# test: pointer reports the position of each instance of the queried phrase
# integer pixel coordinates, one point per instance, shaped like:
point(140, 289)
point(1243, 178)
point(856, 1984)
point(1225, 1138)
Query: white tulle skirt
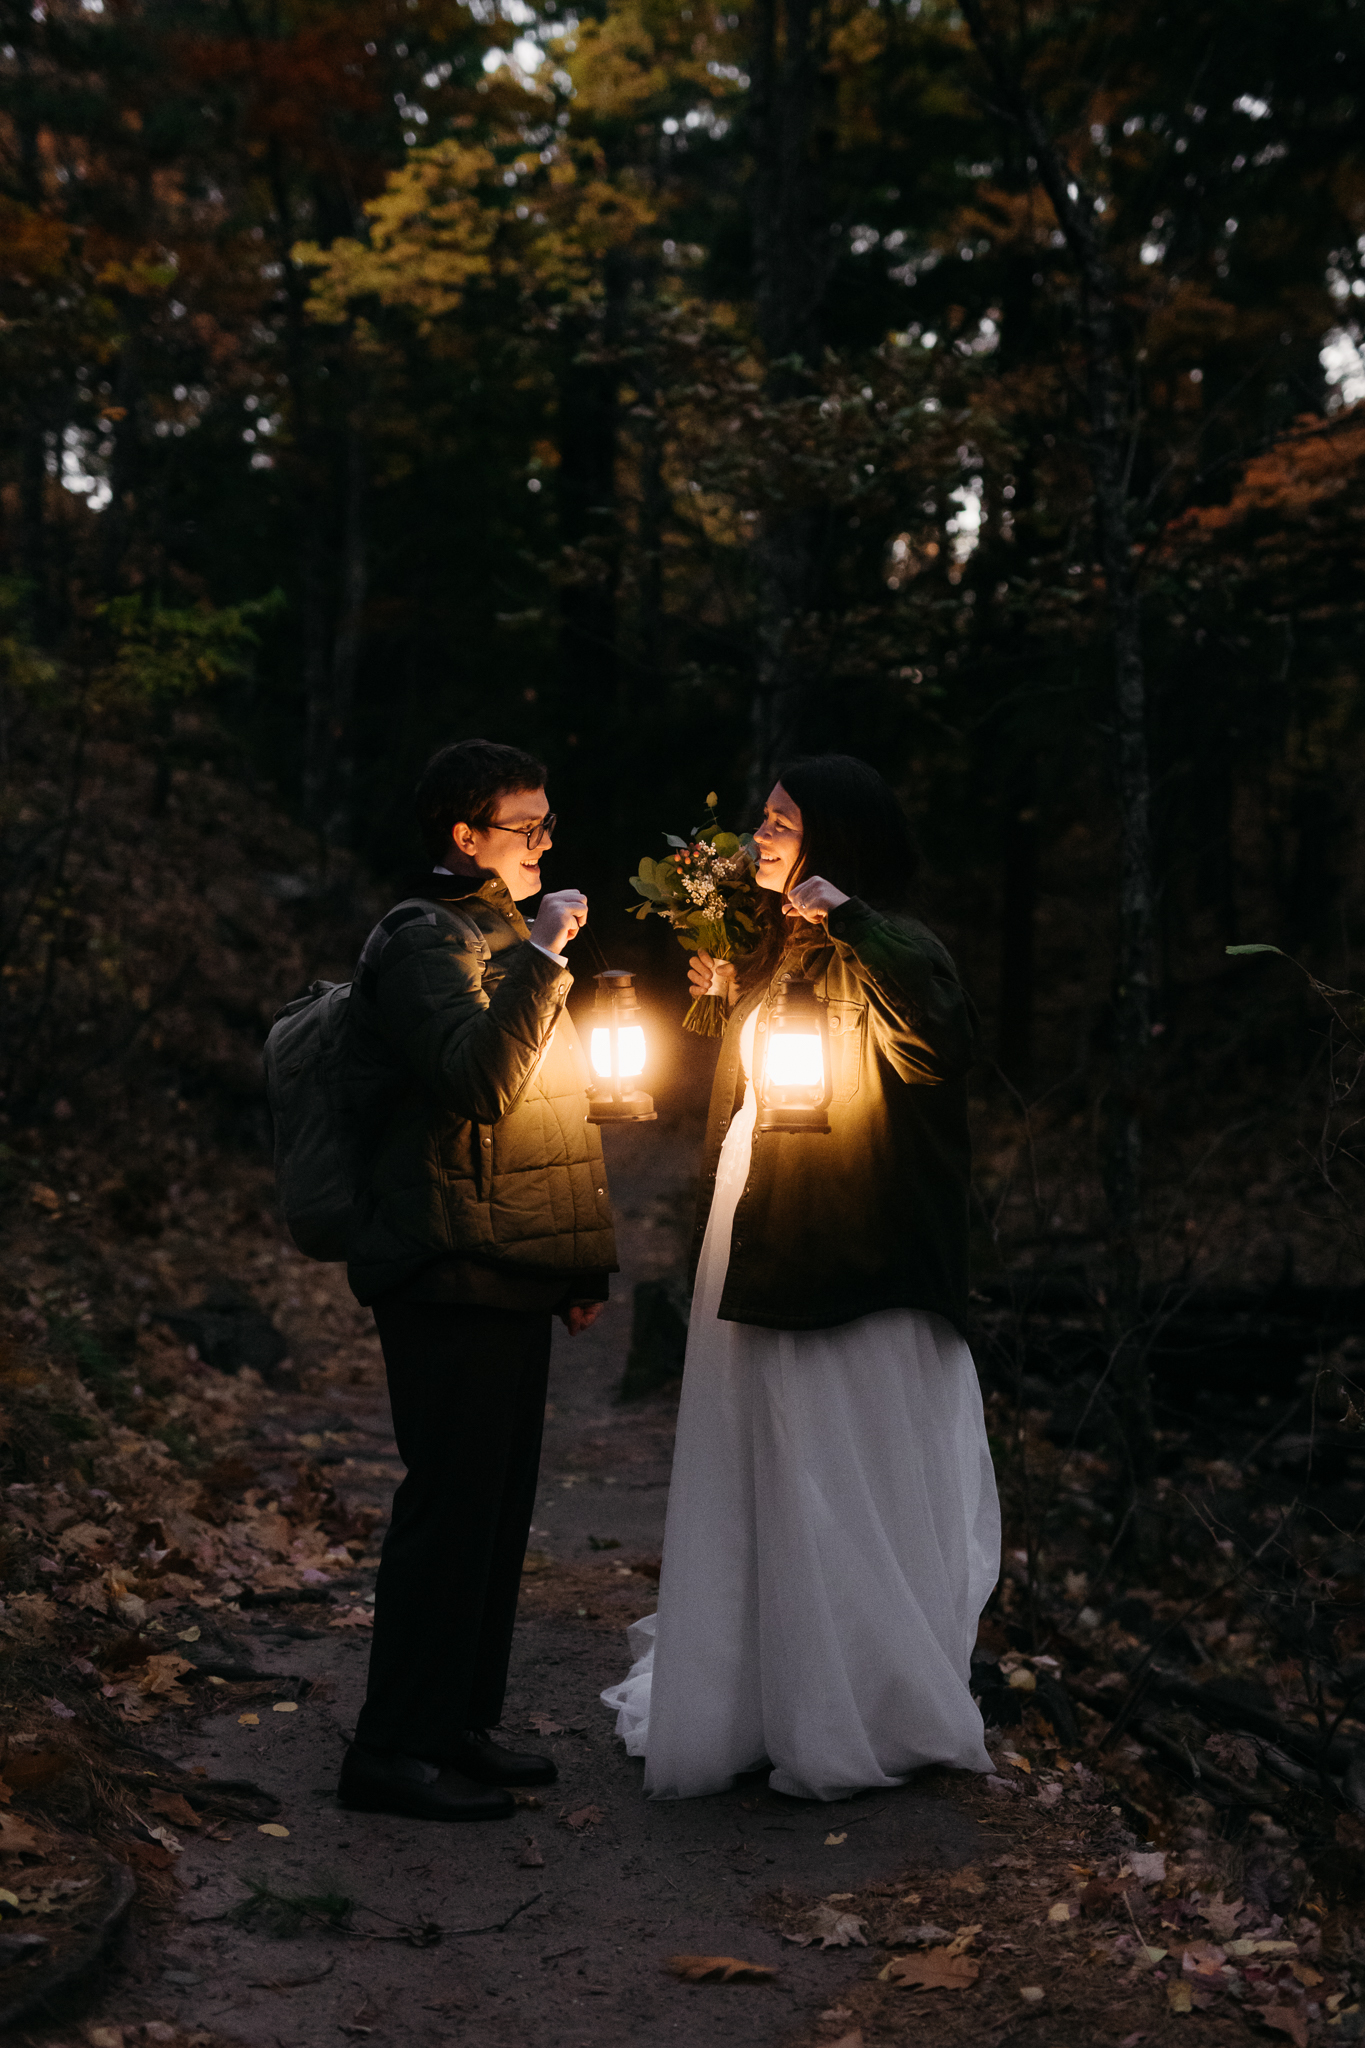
point(833, 1533)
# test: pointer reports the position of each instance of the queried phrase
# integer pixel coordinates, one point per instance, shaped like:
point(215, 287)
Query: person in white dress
point(833, 1530)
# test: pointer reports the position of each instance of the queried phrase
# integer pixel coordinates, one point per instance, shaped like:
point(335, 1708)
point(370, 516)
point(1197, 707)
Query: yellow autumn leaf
point(833, 1841)
point(248, 1720)
point(285, 1707)
point(272, 1827)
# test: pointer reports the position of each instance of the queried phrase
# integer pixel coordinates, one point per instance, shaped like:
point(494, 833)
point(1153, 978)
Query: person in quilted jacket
point(484, 1214)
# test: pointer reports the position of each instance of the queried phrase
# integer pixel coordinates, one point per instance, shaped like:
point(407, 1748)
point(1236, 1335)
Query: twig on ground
point(450, 1933)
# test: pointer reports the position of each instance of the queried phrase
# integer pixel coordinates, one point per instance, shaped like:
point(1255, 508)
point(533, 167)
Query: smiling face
point(501, 846)
point(778, 840)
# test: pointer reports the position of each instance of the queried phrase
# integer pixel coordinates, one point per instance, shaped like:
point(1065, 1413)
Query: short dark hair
point(462, 783)
point(853, 830)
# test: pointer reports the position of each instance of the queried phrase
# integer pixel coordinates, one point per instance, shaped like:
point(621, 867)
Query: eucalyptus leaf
point(1255, 949)
point(673, 839)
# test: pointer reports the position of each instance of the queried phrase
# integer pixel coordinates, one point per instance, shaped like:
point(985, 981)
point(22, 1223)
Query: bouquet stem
point(707, 1016)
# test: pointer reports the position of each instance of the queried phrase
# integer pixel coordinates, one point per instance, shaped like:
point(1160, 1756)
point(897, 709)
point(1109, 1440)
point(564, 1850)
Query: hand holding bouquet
point(706, 890)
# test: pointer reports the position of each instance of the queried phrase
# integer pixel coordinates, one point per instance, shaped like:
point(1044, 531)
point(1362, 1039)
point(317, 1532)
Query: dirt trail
point(570, 1948)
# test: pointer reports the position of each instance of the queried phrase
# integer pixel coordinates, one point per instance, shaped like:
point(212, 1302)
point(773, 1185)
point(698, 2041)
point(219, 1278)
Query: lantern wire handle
point(586, 932)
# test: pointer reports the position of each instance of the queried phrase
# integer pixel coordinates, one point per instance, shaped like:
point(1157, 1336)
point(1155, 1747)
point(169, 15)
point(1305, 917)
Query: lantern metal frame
point(611, 1099)
point(795, 1010)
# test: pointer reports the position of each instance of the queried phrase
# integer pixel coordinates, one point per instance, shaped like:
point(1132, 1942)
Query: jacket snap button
point(488, 1141)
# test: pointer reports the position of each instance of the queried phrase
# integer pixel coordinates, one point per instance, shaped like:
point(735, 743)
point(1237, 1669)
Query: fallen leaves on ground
point(833, 1841)
point(583, 1818)
point(272, 1827)
point(831, 1928)
point(933, 1969)
point(1221, 1919)
point(16, 1836)
point(1287, 2019)
point(915, 1937)
point(718, 1970)
point(174, 1807)
point(545, 1724)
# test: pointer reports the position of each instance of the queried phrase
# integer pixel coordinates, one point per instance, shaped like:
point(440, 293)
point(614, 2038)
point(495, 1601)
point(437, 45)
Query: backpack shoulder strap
point(412, 910)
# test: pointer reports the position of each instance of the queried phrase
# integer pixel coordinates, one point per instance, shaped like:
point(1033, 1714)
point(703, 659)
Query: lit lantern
point(795, 1089)
point(617, 1053)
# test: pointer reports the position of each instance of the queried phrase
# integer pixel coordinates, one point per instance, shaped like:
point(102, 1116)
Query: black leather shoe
point(478, 1756)
point(375, 1783)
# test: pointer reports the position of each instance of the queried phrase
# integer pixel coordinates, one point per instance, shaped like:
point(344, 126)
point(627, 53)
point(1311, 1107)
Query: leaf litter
point(718, 1970)
point(1078, 1913)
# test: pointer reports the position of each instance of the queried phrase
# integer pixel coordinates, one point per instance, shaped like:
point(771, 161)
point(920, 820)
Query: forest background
point(665, 390)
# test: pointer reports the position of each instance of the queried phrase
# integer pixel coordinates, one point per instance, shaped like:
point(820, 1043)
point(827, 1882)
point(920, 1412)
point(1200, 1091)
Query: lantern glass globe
point(796, 1060)
point(630, 1051)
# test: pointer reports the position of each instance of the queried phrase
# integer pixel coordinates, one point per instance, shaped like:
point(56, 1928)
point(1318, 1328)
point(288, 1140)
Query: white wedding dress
point(833, 1533)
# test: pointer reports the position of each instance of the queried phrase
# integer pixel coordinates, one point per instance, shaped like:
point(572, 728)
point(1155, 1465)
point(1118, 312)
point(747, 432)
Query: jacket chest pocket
point(847, 1035)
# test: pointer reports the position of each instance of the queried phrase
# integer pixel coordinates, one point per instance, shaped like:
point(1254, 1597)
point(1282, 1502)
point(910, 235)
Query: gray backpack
point(317, 1140)
point(319, 1163)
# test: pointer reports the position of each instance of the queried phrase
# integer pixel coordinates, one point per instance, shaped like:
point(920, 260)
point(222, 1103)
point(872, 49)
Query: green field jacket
point(872, 1215)
point(470, 1083)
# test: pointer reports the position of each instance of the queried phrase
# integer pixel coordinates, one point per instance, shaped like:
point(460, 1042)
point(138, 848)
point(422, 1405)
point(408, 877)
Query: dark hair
point(853, 832)
point(462, 784)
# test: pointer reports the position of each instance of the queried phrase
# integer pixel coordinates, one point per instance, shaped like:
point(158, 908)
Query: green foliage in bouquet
point(706, 890)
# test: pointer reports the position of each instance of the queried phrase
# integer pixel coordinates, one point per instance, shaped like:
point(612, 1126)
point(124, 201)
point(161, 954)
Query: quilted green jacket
point(872, 1214)
point(470, 1082)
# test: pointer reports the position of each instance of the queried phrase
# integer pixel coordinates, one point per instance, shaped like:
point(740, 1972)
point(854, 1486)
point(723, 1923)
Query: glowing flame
point(795, 1060)
point(630, 1042)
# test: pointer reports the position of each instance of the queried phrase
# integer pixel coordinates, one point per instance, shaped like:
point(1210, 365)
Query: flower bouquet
point(706, 890)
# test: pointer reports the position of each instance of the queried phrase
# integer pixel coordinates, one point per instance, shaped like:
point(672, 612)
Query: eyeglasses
point(534, 835)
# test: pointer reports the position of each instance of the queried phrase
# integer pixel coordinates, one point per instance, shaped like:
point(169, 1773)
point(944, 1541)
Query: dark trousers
point(467, 1389)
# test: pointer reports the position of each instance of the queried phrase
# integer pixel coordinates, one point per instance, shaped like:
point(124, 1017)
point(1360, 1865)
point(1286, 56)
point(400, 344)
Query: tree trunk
point(652, 519)
point(307, 472)
point(347, 643)
point(791, 265)
point(32, 550)
point(1019, 855)
point(1121, 1160)
point(588, 512)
